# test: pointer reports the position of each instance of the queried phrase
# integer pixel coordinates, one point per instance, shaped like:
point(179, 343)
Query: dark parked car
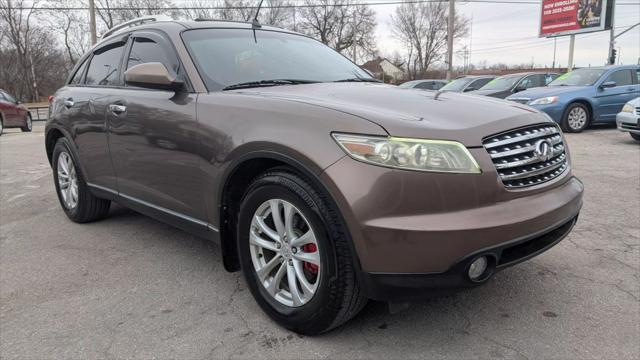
point(585, 96)
point(424, 84)
point(507, 85)
point(13, 114)
point(468, 83)
point(323, 185)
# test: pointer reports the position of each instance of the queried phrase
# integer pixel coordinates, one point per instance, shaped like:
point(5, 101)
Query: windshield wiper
point(265, 83)
point(357, 79)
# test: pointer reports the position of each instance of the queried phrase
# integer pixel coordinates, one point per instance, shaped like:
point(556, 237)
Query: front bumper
point(628, 122)
point(555, 110)
point(405, 287)
point(418, 230)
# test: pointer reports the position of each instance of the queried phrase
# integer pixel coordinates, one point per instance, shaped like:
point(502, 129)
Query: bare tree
point(339, 24)
point(113, 12)
point(15, 24)
point(72, 26)
point(422, 27)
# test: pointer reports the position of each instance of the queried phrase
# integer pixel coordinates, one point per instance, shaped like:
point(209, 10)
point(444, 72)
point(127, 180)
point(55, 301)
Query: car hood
point(411, 113)
point(539, 92)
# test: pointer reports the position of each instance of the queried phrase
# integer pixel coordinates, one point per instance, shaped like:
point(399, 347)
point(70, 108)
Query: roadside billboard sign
point(566, 17)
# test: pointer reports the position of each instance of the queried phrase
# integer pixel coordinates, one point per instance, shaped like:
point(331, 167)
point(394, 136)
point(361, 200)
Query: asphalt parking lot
point(131, 287)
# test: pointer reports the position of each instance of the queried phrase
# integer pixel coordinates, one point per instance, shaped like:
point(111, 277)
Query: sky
point(508, 33)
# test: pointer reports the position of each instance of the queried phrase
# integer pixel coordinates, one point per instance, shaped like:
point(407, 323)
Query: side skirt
point(184, 222)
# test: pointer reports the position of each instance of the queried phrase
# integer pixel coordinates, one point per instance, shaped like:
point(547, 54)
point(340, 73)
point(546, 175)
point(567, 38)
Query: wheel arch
point(583, 101)
point(241, 173)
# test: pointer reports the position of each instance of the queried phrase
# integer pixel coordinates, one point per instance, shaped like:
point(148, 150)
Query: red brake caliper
point(310, 248)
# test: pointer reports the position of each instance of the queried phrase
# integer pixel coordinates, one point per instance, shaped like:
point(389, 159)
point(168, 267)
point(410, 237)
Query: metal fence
point(39, 113)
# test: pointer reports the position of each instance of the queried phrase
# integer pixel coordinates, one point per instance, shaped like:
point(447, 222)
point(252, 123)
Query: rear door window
point(105, 66)
point(479, 83)
point(621, 77)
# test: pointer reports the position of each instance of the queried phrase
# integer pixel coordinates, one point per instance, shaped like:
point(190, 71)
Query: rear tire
point(635, 137)
point(76, 199)
point(28, 126)
point(576, 118)
point(337, 296)
point(1, 126)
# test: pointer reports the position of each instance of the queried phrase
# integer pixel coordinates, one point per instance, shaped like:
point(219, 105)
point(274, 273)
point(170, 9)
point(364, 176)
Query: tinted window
point(231, 56)
point(104, 67)
point(426, 85)
point(2, 96)
point(78, 75)
point(479, 83)
point(621, 77)
point(549, 78)
point(437, 85)
point(531, 81)
point(146, 50)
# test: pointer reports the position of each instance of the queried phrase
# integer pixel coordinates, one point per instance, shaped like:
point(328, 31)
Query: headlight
point(544, 101)
point(627, 108)
point(409, 154)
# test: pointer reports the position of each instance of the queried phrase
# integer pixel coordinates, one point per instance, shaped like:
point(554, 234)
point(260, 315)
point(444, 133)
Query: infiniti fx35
point(324, 186)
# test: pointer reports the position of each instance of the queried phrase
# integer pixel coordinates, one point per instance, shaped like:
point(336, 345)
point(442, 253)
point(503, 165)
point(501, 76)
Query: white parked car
point(628, 119)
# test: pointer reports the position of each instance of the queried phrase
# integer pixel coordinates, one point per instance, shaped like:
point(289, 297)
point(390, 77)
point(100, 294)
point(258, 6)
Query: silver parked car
point(628, 119)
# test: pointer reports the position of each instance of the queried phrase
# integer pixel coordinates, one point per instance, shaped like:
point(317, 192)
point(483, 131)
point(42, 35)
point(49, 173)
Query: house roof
point(373, 65)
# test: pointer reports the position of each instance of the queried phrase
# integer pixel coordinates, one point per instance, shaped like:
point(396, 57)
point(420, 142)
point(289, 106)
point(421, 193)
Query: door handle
point(68, 102)
point(117, 108)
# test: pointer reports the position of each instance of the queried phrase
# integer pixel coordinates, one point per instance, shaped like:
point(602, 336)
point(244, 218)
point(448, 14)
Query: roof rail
point(134, 22)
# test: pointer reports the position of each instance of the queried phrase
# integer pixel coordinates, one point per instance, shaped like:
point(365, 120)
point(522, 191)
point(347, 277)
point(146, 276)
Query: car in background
point(13, 114)
point(427, 84)
point(628, 119)
point(585, 96)
point(507, 85)
point(468, 83)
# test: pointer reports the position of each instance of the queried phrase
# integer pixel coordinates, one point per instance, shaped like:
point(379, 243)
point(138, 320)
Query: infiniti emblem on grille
point(543, 150)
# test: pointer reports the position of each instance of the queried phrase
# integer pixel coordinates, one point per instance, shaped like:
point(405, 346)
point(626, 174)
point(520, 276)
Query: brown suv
point(324, 186)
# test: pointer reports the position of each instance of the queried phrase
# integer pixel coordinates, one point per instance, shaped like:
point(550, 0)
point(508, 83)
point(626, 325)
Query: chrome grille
point(528, 156)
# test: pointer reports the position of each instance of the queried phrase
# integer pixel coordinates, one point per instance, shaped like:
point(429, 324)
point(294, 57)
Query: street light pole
point(92, 22)
point(450, 40)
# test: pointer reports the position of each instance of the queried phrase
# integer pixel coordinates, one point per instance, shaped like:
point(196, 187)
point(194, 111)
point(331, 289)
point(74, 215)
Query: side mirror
point(18, 102)
point(520, 87)
point(152, 75)
point(608, 84)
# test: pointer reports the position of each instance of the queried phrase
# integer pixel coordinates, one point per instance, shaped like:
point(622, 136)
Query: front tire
point(635, 137)
point(76, 199)
point(28, 125)
point(576, 118)
point(295, 255)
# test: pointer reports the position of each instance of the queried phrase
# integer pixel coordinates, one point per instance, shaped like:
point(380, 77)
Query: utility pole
point(612, 57)
point(92, 22)
point(450, 39)
point(572, 42)
point(554, 53)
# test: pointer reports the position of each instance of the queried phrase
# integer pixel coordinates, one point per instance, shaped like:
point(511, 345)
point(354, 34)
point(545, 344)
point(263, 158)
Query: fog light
point(478, 268)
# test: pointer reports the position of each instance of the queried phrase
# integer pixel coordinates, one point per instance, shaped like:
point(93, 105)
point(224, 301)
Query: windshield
point(502, 83)
point(227, 57)
point(457, 84)
point(580, 77)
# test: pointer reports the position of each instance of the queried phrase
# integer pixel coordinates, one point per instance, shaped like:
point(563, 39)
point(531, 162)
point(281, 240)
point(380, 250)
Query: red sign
point(562, 17)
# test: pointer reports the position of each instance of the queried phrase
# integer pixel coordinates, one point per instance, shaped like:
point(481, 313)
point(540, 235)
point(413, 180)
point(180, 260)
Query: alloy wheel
point(284, 253)
point(29, 122)
point(67, 180)
point(577, 118)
